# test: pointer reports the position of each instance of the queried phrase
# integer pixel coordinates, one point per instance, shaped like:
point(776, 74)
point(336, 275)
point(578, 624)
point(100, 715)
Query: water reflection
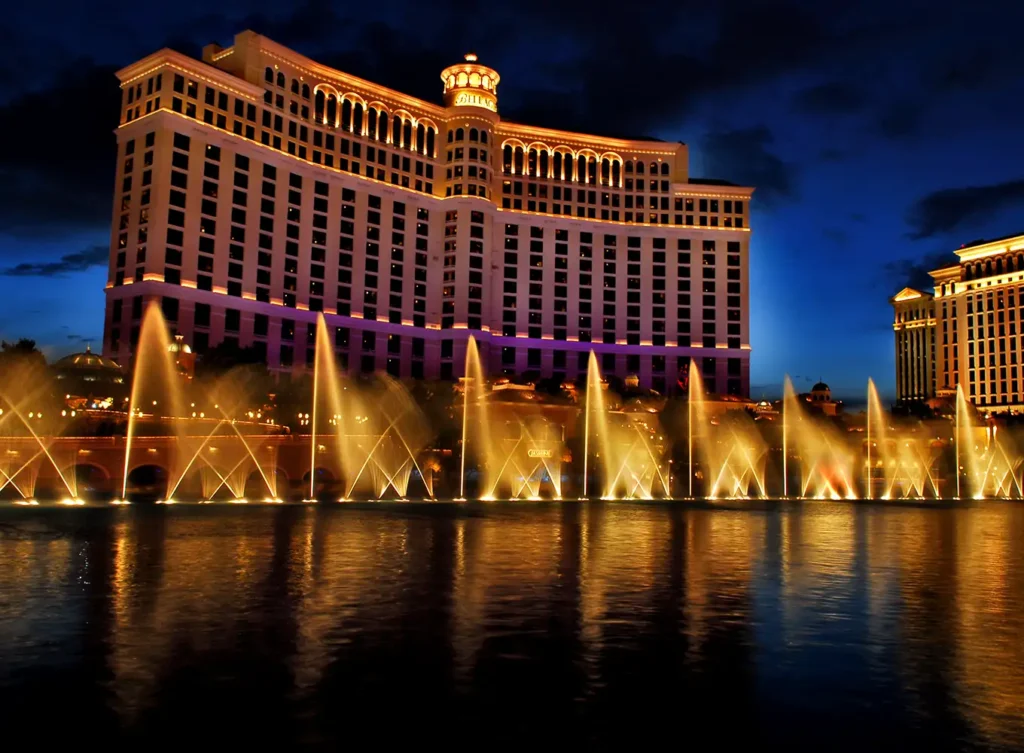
point(600, 624)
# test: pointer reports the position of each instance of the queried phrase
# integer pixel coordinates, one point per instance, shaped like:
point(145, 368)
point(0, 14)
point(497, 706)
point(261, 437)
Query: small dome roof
point(820, 387)
point(178, 345)
point(86, 361)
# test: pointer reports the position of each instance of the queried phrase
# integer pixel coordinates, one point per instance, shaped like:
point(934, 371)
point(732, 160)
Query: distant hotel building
point(966, 331)
point(258, 187)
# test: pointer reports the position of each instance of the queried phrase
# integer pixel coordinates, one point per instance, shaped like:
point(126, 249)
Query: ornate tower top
point(469, 84)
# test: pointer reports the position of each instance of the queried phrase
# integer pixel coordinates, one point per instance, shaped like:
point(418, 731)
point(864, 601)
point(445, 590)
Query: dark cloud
point(832, 154)
point(79, 261)
point(83, 338)
point(57, 154)
point(966, 70)
point(956, 208)
point(743, 156)
point(830, 98)
point(836, 235)
point(914, 273)
point(901, 119)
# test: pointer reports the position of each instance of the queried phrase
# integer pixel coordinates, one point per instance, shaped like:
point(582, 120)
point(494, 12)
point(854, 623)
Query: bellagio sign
point(472, 99)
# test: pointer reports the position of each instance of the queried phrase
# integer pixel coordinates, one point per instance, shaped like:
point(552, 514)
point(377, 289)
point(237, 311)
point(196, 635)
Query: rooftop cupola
point(469, 84)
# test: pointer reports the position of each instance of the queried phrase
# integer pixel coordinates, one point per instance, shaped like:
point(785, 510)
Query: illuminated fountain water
point(476, 424)
point(986, 457)
point(897, 465)
point(732, 451)
point(367, 438)
point(156, 394)
point(27, 437)
point(826, 460)
point(377, 430)
point(517, 451)
point(631, 451)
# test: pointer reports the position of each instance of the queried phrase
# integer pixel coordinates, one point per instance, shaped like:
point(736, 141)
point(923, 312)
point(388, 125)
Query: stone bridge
point(250, 466)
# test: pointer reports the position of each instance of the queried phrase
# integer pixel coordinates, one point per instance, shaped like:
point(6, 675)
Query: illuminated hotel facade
point(258, 188)
point(967, 330)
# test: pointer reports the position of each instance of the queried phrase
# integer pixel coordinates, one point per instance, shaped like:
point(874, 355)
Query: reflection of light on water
point(913, 603)
point(989, 623)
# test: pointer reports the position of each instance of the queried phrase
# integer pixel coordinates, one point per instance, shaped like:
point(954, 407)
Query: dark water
point(611, 626)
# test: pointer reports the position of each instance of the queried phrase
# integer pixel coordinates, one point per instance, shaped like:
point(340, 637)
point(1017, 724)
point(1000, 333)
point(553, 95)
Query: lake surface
point(824, 626)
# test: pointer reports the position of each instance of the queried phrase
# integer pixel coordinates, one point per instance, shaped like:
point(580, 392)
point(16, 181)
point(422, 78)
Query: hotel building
point(258, 188)
point(965, 331)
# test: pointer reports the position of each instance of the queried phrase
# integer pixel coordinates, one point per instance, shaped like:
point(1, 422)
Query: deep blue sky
point(881, 135)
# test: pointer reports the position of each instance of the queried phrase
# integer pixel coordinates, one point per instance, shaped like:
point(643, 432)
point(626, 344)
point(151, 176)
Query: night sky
point(880, 135)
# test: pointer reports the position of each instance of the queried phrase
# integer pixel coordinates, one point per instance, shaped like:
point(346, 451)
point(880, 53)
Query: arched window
point(421, 139)
point(382, 126)
point(268, 75)
point(357, 118)
point(305, 91)
point(664, 168)
point(474, 135)
point(280, 79)
point(617, 174)
point(531, 163)
point(629, 167)
point(295, 86)
point(332, 111)
point(407, 134)
point(999, 266)
point(545, 165)
point(606, 171)
point(556, 165)
point(517, 164)
point(451, 136)
point(371, 123)
point(346, 114)
point(483, 137)
point(639, 168)
point(319, 106)
point(460, 134)
point(431, 135)
point(506, 158)
point(654, 168)
point(988, 268)
point(592, 170)
point(396, 131)
point(581, 169)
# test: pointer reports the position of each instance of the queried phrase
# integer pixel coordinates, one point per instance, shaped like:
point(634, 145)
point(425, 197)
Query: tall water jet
point(592, 399)
point(906, 462)
point(991, 462)
point(690, 372)
point(631, 445)
point(877, 440)
point(826, 461)
point(733, 453)
point(596, 417)
point(475, 414)
point(326, 408)
point(788, 396)
point(155, 393)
